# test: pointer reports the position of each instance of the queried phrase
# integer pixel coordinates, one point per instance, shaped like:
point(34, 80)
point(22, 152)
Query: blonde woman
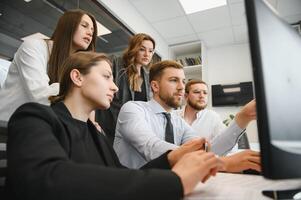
point(132, 78)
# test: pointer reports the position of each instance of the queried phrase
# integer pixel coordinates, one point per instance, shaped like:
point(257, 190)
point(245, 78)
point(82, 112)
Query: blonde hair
point(129, 58)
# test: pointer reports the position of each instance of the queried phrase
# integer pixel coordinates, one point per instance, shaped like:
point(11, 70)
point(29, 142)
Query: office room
point(227, 46)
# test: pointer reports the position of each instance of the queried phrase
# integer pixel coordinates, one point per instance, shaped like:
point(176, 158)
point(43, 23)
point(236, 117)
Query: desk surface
point(238, 187)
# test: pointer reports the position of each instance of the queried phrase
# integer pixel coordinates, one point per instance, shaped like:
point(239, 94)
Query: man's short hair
point(192, 82)
point(156, 70)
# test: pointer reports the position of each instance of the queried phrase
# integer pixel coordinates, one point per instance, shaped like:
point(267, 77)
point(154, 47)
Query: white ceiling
point(220, 26)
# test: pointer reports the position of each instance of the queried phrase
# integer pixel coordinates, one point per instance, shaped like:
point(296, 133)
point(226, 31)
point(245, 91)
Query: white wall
point(227, 65)
point(130, 17)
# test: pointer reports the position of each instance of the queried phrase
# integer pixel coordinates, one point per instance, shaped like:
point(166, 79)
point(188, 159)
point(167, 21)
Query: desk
point(239, 187)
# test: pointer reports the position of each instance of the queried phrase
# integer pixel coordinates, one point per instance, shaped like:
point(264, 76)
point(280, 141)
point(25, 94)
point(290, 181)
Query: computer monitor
point(276, 59)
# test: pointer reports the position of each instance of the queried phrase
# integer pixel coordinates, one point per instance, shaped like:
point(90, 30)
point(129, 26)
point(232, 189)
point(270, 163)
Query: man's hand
point(195, 167)
point(246, 114)
point(241, 161)
point(190, 146)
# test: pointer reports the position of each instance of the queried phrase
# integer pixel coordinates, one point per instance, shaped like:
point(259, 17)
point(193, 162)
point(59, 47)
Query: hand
point(195, 167)
point(244, 160)
point(246, 114)
point(190, 146)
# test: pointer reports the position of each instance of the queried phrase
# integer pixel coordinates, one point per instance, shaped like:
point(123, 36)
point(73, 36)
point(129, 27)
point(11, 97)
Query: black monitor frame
point(276, 162)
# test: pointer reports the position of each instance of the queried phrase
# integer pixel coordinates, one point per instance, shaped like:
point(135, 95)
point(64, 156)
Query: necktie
point(168, 129)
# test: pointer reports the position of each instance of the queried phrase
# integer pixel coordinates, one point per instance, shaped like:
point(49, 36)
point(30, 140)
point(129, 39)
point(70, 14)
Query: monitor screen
point(276, 59)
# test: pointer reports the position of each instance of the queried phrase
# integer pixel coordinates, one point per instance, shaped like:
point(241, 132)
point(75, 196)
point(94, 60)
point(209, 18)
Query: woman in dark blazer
point(131, 75)
point(57, 153)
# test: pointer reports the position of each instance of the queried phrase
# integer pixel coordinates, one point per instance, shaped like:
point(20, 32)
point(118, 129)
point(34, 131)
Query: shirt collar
point(182, 111)
point(156, 107)
point(198, 114)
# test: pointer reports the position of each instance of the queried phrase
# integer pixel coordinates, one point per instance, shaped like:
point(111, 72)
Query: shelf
point(190, 60)
point(193, 72)
point(192, 66)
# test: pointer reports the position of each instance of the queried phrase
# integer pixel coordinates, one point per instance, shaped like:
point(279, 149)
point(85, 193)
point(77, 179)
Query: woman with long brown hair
point(33, 74)
point(131, 76)
point(57, 153)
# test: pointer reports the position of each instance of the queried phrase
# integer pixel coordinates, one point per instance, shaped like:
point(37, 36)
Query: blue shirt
point(140, 133)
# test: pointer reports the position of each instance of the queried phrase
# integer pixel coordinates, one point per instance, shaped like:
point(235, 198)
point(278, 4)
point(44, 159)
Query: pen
point(206, 147)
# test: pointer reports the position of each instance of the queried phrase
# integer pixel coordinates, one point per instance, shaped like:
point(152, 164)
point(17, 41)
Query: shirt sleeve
point(218, 126)
point(188, 132)
point(31, 61)
point(226, 139)
point(135, 129)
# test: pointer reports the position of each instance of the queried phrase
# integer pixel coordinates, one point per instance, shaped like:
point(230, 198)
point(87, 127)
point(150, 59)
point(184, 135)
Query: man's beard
point(196, 106)
point(171, 101)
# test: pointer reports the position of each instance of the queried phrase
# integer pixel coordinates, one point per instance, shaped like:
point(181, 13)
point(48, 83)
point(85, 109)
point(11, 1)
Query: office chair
point(3, 157)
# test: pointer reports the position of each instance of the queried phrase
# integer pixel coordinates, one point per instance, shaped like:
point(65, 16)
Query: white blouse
point(27, 79)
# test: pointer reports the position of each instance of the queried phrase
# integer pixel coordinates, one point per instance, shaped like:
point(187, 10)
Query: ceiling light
point(192, 6)
point(35, 36)
point(27, 1)
point(101, 29)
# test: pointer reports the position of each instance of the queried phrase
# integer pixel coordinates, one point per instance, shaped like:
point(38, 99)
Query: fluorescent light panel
point(192, 6)
point(102, 30)
point(37, 35)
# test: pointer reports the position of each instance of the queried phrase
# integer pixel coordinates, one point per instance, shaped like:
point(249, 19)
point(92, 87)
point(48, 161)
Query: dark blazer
point(45, 161)
point(108, 118)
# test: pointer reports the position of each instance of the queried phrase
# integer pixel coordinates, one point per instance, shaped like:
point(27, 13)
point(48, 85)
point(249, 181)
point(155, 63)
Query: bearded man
point(146, 130)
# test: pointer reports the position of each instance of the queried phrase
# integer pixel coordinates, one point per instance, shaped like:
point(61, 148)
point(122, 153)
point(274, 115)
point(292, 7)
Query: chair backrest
point(3, 157)
point(2, 164)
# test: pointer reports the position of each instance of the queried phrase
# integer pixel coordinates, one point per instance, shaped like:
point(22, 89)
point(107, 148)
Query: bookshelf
point(191, 56)
point(190, 60)
point(193, 65)
point(193, 72)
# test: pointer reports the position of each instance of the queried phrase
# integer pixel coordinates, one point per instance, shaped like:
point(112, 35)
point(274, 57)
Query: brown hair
point(82, 61)
point(156, 70)
point(129, 58)
point(192, 82)
point(62, 39)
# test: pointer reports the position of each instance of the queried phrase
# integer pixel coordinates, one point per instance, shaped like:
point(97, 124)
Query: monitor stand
point(283, 194)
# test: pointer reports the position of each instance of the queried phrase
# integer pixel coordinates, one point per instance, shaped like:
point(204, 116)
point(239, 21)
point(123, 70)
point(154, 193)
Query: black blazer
point(108, 118)
point(44, 162)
